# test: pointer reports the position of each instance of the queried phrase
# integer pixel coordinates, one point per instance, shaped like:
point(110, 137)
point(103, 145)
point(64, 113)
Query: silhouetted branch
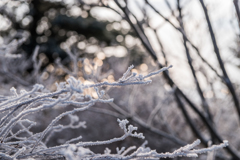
point(220, 61)
point(180, 30)
point(237, 10)
point(189, 58)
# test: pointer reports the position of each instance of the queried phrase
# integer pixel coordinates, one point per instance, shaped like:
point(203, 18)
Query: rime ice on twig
point(126, 73)
point(133, 78)
point(157, 72)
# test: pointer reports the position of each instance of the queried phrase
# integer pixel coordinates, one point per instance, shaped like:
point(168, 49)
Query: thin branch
point(235, 2)
point(220, 61)
point(180, 30)
point(189, 58)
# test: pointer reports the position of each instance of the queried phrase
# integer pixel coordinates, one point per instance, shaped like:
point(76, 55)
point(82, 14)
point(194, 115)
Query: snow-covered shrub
point(19, 142)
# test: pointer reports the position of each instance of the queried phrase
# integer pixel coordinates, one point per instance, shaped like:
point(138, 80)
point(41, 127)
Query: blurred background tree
point(57, 25)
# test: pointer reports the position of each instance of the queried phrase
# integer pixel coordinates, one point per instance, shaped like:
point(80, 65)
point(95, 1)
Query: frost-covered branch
point(146, 153)
point(18, 106)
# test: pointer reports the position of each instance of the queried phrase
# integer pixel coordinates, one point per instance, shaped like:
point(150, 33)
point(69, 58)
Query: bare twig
point(235, 2)
point(220, 61)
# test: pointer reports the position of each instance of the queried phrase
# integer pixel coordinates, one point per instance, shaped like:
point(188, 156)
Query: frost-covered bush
point(18, 141)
